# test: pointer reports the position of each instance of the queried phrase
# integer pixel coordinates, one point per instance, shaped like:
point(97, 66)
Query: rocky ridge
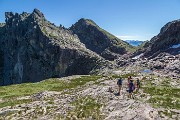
point(169, 35)
point(99, 40)
point(30, 43)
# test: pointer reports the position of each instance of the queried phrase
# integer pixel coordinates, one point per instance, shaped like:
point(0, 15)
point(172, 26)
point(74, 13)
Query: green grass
point(162, 94)
point(116, 41)
point(166, 97)
point(52, 84)
point(86, 107)
point(168, 113)
point(76, 82)
point(124, 76)
point(13, 102)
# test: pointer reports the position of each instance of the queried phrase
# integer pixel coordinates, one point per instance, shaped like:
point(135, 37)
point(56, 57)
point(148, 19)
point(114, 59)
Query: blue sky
point(127, 19)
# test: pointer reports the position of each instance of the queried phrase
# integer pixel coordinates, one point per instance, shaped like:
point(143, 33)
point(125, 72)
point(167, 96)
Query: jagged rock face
point(99, 40)
point(168, 36)
point(2, 28)
point(33, 49)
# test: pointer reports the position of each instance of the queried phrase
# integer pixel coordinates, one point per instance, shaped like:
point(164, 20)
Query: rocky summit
point(33, 49)
point(169, 35)
point(99, 40)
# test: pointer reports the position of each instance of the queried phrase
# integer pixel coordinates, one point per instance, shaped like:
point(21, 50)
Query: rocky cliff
point(99, 40)
point(33, 49)
point(169, 35)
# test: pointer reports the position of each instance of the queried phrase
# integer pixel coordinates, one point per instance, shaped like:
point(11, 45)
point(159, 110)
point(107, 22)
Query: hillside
point(163, 42)
point(33, 49)
point(88, 97)
point(99, 40)
point(50, 72)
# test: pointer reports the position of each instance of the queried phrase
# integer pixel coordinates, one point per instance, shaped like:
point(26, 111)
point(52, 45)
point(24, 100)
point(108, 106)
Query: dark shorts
point(130, 91)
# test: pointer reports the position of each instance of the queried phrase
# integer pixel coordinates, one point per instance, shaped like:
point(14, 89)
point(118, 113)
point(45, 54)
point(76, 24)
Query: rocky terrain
point(99, 40)
point(39, 54)
point(169, 35)
point(33, 49)
point(88, 97)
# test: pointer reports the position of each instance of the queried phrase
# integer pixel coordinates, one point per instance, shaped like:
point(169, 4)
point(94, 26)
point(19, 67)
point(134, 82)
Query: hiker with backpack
point(129, 78)
point(138, 84)
point(119, 83)
point(131, 89)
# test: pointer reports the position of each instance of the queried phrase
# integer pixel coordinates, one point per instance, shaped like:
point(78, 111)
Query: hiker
point(129, 78)
point(131, 89)
point(119, 83)
point(138, 84)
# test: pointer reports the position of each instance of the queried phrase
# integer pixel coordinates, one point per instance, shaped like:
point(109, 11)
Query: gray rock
point(99, 40)
point(33, 49)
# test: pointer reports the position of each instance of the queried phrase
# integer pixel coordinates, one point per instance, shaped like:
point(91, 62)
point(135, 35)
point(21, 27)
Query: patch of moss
point(53, 84)
point(124, 76)
point(53, 36)
point(12, 102)
point(76, 82)
point(86, 108)
point(166, 97)
point(168, 113)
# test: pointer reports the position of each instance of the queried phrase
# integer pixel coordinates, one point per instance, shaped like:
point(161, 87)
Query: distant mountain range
point(134, 42)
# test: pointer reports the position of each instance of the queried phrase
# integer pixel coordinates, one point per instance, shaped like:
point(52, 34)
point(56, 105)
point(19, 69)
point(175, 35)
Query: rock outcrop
point(168, 36)
point(99, 40)
point(33, 49)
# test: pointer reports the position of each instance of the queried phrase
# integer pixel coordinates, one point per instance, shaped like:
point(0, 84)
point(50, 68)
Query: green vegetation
point(89, 21)
point(115, 41)
point(162, 95)
point(53, 36)
point(124, 76)
point(13, 102)
point(76, 82)
point(168, 113)
point(28, 88)
point(166, 97)
point(10, 93)
point(86, 108)
point(144, 44)
point(53, 84)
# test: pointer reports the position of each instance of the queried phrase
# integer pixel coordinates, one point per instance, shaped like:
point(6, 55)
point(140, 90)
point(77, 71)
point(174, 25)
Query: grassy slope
point(10, 93)
point(163, 94)
point(116, 41)
point(86, 107)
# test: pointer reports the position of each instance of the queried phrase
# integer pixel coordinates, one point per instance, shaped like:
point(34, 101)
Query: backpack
point(133, 87)
point(119, 82)
point(138, 82)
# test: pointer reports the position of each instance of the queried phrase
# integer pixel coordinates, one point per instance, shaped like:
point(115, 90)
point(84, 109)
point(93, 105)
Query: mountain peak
point(168, 36)
point(168, 25)
point(99, 40)
point(38, 13)
point(86, 22)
